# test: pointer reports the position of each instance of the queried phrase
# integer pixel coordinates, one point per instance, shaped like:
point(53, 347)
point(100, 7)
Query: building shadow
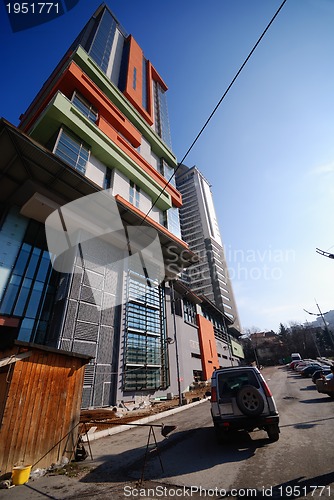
point(198, 450)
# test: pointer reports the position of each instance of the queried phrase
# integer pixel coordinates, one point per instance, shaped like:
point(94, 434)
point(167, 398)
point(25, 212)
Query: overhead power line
point(215, 108)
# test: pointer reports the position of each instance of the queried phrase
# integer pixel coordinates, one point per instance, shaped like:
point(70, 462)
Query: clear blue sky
point(269, 150)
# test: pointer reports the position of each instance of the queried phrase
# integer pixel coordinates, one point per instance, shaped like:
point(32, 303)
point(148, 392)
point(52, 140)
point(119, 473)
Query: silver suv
point(241, 399)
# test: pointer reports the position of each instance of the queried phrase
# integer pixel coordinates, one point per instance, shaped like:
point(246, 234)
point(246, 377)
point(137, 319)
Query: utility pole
point(321, 314)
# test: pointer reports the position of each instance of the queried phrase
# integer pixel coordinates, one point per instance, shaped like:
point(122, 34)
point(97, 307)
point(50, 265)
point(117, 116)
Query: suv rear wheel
point(250, 401)
point(273, 432)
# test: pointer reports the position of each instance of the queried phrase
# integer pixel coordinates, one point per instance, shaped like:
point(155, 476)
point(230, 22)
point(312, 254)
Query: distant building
point(199, 228)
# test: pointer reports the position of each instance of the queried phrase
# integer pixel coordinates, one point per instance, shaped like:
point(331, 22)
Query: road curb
point(146, 420)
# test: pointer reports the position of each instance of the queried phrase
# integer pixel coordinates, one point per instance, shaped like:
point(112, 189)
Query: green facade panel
point(61, 111)
point(87, 64)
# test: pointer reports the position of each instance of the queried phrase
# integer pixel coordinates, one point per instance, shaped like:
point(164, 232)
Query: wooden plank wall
point(42, 408)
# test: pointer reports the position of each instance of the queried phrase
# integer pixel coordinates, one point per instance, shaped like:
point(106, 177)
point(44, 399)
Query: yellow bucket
point(20, 474)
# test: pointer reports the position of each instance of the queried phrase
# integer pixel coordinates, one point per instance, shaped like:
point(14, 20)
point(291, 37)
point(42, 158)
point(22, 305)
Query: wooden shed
point(40, 399)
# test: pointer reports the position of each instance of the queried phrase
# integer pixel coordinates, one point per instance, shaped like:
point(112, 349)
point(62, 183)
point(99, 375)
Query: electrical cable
point(214, 110)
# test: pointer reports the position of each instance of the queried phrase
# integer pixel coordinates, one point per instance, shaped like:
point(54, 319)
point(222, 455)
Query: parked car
point(301, 365)
point(323, 371)
point(308, 370)
point(295, 356)
point(293, 364)
point(242, 400)
point(326, 385)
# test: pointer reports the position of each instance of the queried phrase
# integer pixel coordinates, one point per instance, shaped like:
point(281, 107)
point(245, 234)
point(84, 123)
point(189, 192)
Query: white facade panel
point(145, 203)
point(120, 185)
point(95, 171)
point(155, 161)
point(145, 149)
point(155, 214)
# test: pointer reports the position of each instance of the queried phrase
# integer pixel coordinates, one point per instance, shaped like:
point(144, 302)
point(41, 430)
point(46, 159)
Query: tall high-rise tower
point(199, 228)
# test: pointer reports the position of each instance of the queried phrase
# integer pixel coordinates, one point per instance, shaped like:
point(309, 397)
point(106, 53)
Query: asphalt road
point(299, 465)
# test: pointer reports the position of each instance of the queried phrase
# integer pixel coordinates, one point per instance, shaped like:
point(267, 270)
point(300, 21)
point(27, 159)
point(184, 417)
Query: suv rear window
point(230, 383)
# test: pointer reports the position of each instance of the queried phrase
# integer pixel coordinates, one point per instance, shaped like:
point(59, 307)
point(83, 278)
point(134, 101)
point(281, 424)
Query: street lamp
point(325, 254)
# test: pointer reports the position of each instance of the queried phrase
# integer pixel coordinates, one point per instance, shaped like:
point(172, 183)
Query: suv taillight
point(213, 394)
point(266, 389)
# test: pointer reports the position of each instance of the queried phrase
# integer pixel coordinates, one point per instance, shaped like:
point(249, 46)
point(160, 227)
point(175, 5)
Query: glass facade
point(173, 221)
point(72, 150)
point(11, 236)
point(161, 114)
point(145, 345)
point(30, 291)
point(100, 48)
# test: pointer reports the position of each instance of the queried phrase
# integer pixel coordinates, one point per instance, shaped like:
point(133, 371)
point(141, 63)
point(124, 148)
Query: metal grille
point(87, 295)
point(94, 280)
point(70, 319)
point(88, 348)
point(88, 312)
point(105, 351)
point(86, 397)
point(66, 345)
point(86, 331)
point(89, 375)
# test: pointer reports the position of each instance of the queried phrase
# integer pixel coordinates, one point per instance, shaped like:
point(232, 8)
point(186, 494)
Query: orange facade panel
point(208, 347)
point(134, 81)
point(76, 79)
point(11, 322)
point(110, 120)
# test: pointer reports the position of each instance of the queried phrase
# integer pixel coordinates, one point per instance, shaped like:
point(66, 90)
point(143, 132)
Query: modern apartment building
point(99, 125)
point(200, 229)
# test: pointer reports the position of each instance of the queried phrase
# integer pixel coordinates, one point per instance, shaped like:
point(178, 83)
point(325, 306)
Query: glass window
point(167, 172)
point(100, 49)
point(85, 107)
point(25, 332)
point(72, 150)
point(22, 259)
point(173, 221)
point(22, 298)
point(163, 218)
point(10, 295)
point(33, 263)
point(134, 194)
point(161, 114)
point(189, 312)
point(134, 81)
point(44, 267)
point(107, 179)
point(145, 336)
point(144, 87)
point(35, 299)
point(25, 293)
